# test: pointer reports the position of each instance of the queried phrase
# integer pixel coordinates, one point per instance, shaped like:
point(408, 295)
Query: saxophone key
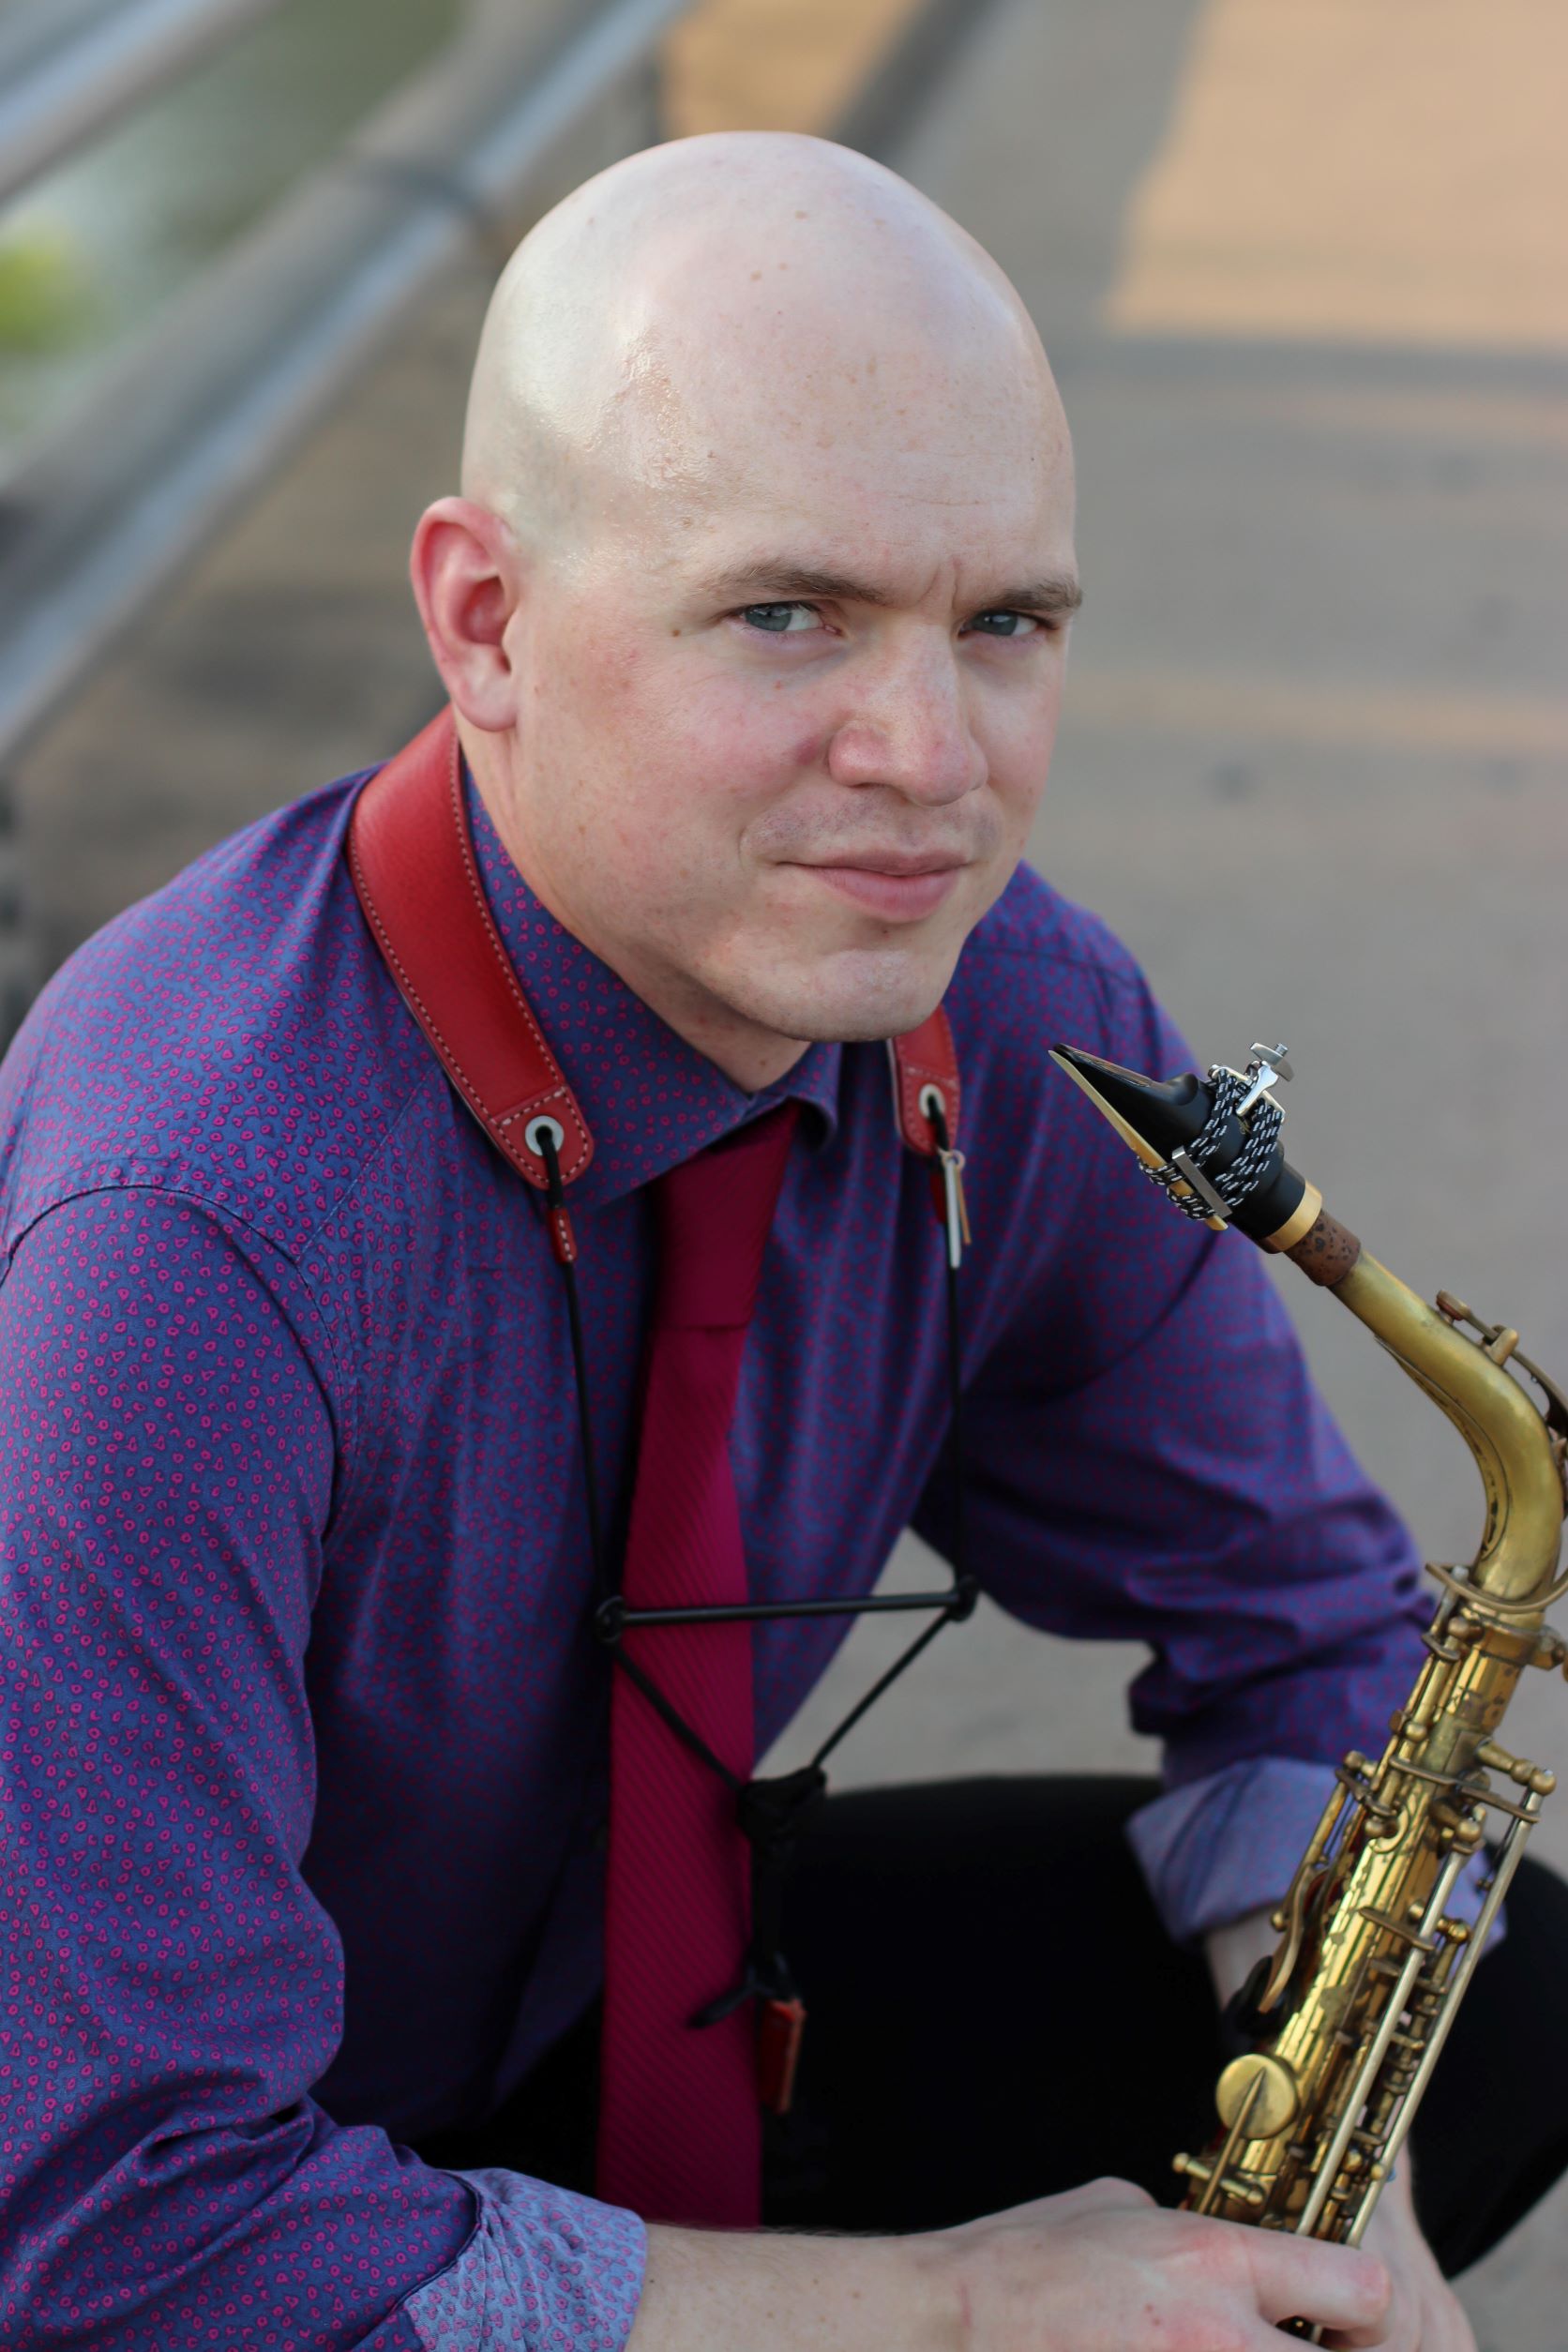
point(1230, 2184)
point(1535, 1777)
point(1262, 2088)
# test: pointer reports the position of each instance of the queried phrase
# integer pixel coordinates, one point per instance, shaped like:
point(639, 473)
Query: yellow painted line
point(1385, 171)
point(1322, 716)
point(1510, 420)
point(774, 65)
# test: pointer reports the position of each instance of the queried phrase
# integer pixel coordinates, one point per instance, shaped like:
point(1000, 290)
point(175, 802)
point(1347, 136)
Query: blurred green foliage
point(46, 292)
point(91, 253)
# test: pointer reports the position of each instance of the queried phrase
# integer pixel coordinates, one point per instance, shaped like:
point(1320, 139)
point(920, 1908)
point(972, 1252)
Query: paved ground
point(1315, 762)
point(1314, 769)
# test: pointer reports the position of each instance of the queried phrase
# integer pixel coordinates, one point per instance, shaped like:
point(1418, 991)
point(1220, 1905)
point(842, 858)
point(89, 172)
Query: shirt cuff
point(542, 2268)
point(1219, 1847)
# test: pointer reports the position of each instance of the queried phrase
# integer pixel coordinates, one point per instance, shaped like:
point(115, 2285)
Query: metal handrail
point(168, 443)
point(70, 68)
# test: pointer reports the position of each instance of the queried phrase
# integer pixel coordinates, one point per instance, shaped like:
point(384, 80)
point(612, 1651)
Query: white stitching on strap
point(454, 1067)
point(508, 975)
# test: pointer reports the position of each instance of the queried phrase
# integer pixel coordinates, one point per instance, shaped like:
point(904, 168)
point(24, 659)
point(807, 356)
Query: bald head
point(754, 609)
point(689, 325)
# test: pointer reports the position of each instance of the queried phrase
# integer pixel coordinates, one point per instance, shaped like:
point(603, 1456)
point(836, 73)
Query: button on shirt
point(305, 1731)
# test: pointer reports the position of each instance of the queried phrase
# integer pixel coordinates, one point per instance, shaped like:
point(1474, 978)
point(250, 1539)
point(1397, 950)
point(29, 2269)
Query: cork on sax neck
point(1327, 1253)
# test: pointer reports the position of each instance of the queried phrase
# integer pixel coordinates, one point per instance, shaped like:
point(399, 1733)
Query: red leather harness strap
point(412, 866)
point(412, 859)
point(925, 1058)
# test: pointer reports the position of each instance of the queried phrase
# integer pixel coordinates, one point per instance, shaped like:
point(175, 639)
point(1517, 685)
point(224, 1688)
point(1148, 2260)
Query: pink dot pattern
point(542, 2269)
point(302, 1728)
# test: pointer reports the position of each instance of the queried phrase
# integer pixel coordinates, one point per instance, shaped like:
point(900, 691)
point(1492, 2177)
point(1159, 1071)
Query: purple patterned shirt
point(304, 1733)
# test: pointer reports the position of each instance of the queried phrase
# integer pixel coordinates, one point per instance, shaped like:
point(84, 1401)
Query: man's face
point(786, 719)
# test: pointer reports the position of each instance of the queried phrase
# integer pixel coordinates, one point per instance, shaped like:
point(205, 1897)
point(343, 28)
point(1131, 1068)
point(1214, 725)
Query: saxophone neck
point(1518, 1450)
point(1213, 1145)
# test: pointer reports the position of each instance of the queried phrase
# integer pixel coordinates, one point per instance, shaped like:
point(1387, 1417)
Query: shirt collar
point(650, 1099)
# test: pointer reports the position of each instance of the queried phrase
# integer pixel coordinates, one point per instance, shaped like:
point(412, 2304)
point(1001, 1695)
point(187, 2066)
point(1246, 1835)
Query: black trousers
point(996, 2014)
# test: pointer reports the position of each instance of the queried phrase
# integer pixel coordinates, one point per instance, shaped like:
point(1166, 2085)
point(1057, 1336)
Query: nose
point(910, 728)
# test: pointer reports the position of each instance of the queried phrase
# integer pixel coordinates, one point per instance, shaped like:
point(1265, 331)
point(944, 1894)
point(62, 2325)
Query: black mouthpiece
point(1160, 1119)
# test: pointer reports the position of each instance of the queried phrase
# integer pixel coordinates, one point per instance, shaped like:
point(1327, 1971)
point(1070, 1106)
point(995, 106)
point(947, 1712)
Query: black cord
point(771, 1813)
point(958, 1541)
point(555, 1193)
point(671, 1714)
point(960, 1602)
point(610, 1613)
point(883, 1681)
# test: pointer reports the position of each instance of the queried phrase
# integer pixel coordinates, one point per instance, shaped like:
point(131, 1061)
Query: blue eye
point(780, 620)
point(1004, 623)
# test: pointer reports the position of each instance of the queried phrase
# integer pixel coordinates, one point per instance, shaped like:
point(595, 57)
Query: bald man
point(752, 616)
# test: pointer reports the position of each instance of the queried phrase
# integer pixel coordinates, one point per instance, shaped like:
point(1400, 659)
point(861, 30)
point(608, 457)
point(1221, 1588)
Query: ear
point(468, 577)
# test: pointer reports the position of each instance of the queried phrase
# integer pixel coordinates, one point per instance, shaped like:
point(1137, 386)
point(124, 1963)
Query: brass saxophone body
point(1348, 2021)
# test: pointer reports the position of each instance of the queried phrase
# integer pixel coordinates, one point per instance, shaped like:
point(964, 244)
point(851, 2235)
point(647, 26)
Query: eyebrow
point(1058, 593)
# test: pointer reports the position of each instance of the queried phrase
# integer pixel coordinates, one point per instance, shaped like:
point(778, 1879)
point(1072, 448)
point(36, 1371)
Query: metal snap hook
point(952, 1211)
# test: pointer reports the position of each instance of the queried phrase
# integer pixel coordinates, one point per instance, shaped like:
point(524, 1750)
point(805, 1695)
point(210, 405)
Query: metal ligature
point(1347, 2020)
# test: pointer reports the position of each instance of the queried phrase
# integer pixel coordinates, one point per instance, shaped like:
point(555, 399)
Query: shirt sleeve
point(1150, 1461)
point(543, 2269)
point(171, 1986)
point(1218, 1848)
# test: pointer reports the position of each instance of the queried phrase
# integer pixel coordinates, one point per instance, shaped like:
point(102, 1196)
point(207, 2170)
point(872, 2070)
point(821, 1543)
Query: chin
point(849, 1000)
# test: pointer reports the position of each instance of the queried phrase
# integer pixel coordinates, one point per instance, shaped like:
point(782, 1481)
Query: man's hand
point(1101, 2269)
point(1105, 2269)
point(1425, 2314)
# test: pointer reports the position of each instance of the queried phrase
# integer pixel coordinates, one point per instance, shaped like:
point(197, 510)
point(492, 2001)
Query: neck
point(749, 1057)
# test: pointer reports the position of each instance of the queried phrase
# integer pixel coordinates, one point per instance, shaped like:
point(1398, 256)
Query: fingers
point(1374, 2339)
point(1430, 2316)
point(1434, 2321)
point(1105, 2195)
point(1301, 2278)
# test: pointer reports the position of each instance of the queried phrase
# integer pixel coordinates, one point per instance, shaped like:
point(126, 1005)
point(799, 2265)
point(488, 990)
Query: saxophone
point(1347, 2020)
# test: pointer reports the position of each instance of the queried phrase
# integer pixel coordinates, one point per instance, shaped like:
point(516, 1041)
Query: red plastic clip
point(780, 2029)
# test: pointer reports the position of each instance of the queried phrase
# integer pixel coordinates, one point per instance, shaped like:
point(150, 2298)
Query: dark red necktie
point(679, 2130)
